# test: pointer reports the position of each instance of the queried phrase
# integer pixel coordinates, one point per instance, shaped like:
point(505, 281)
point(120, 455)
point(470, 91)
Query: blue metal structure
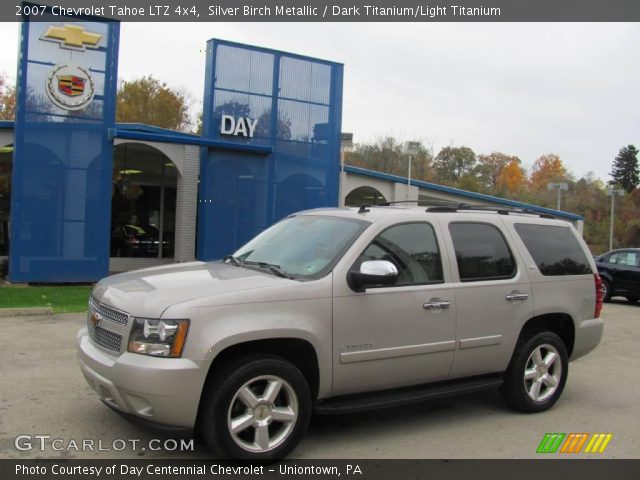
point(461, 193)
point(295, 106)
point(62, 168)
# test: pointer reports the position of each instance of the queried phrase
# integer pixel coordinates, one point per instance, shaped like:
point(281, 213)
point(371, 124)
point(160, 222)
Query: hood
point(150, 291)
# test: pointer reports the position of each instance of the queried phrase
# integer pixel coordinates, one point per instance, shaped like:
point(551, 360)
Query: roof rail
point(395, 202)
point(491, 208)
point(456, 207)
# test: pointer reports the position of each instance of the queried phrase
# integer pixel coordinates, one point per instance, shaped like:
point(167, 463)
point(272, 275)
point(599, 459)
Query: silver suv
point(342, 310)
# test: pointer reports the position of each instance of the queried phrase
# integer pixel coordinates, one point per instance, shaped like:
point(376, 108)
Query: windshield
point(305, 246)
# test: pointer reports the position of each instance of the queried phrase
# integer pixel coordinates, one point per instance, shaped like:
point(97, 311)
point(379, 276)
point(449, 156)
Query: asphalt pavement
point(45, 402)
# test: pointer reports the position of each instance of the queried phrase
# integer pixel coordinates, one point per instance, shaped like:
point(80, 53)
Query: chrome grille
point(106, 325)
point(104, 338)
point(109, 313)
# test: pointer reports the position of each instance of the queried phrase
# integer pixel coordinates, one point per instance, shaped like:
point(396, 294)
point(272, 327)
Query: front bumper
point(163, 391)
point(588, 336)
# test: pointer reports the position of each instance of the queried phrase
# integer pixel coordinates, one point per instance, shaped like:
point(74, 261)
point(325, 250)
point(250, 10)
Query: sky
point(524, 89)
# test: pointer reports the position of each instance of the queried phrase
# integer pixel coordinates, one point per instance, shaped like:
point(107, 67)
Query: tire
point(548, 373)
point(606, 290)
point(632, 299)
point(253, 391)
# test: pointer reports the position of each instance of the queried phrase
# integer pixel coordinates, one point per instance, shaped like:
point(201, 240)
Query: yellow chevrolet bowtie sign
point(72, 36)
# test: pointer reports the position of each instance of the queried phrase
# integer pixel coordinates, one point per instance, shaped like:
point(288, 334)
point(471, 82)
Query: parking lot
point(43, 393)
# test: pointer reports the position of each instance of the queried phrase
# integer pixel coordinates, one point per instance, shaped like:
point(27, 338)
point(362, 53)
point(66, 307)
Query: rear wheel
point(632, 299)
point(257, 408)
point(537, 373)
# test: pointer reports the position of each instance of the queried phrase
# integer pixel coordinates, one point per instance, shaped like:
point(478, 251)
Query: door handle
point(436, 304)
point(515, 296)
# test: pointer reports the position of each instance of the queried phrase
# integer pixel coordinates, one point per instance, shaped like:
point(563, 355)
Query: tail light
point(599, 299)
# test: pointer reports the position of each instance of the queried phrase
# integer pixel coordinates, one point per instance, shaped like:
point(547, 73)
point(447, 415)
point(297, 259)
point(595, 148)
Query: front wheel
point(606, 290)
point(257, 408)
point(537, 373)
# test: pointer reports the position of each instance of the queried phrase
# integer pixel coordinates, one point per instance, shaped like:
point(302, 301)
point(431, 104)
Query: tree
point(512, 178)
point(387, 155)
point(7, 100)
point(625, 168)
point(547, 169)
point(148, 101)
point(454, 162)
point(490, 167)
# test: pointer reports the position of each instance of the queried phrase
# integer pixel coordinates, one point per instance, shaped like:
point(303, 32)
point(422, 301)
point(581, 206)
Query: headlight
point(160, 338)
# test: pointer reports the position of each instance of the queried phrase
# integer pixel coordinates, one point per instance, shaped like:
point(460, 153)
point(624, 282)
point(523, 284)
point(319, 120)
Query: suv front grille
point(106, 325)
point(104, 338)
point(107, 312)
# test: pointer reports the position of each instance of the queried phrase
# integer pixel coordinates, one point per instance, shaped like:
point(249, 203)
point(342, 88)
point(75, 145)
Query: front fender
point(214, 329)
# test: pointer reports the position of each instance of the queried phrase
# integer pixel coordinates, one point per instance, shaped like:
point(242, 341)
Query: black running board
point(403, 396)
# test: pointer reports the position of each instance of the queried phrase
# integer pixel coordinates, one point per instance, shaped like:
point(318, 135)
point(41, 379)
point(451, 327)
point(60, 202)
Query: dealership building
point(82, 196)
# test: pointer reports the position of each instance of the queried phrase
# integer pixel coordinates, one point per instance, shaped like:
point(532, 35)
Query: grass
point(62, 299)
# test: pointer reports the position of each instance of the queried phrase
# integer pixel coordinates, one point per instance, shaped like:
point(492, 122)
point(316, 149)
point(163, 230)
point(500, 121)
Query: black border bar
point(340, 10)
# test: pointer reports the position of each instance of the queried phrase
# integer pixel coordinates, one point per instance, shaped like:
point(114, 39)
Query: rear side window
point(481, 252)
point(555, 249)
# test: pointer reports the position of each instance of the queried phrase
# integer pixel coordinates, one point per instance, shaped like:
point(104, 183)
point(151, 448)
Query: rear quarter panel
point(573, 295)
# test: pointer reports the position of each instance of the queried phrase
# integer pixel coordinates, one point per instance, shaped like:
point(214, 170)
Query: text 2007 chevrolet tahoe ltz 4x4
point(339, 310)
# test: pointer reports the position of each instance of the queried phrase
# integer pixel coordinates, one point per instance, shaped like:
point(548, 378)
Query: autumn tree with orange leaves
point(547, 169)
point(490, 167)
point(512, 178)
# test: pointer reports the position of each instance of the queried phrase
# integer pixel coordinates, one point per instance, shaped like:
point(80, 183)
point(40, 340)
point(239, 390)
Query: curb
point(19, 312)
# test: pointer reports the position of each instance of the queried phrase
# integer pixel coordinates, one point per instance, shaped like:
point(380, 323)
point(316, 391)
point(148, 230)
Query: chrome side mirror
point(372, 273)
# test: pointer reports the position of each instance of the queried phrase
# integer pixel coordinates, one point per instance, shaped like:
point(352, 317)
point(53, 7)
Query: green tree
point(7, 100)
point(625, 168)
point(147, 100)
point(452, 163)
point(387, 155)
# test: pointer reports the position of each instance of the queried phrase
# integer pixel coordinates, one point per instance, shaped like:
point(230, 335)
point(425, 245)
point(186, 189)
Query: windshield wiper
point(275, 269)
point(235, 260)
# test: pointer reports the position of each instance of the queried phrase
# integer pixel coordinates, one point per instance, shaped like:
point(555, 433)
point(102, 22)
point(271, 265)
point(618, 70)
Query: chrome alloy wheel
point(262, 414)
point(542, 372)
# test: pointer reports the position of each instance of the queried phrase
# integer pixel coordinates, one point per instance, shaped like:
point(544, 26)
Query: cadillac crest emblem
point(70, 87)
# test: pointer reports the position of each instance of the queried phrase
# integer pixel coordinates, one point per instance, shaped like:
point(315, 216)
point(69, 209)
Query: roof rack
point(491, 208)
point(395, 202)
point(365, 206)
point(456, 207)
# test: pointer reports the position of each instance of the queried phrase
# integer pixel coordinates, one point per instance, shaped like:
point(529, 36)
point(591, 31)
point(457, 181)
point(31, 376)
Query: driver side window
point(412, 248)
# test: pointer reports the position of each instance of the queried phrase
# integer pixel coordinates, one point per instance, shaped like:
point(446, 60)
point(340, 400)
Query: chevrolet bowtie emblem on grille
point(95, 319)
point(74, 37)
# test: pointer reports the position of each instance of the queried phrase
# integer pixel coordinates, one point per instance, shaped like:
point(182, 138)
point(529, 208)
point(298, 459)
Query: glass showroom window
point(143, 203)
point(6, 154)
point(364, 196)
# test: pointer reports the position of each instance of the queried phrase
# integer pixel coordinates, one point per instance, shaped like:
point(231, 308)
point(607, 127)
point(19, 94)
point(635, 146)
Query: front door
point(401, 335)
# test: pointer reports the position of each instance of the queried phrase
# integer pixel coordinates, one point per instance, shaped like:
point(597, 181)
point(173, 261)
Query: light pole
point(613, 193)
point(559, 187)
point(411, 149)
point(346, 144)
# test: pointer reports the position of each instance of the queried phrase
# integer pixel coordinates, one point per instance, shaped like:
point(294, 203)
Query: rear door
point(493, 294)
